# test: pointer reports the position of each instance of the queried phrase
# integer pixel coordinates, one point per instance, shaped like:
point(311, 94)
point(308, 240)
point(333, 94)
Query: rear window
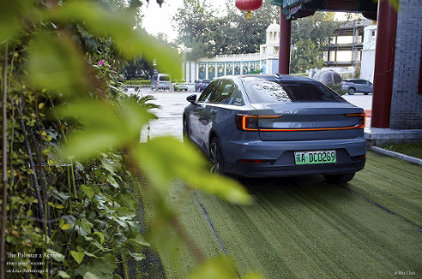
point(272, 91)
point(164, 78)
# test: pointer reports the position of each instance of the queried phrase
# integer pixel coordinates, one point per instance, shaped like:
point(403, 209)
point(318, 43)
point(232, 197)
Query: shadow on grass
point(309, 187)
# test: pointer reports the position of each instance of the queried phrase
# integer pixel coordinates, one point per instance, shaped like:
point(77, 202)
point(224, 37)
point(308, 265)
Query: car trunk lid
point(309, 121)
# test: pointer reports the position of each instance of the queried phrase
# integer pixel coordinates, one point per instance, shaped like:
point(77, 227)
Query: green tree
point(309, 36)
point(209, 34)
point(305, 55)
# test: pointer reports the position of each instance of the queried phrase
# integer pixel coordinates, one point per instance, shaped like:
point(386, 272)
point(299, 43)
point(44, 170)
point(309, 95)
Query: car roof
point(276, 77)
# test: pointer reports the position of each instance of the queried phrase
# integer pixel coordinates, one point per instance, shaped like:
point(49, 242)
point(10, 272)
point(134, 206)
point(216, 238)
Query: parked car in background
point(274, 125)
point(180, 86)
point(201, 85)
point(353, 86)
point(161, 81)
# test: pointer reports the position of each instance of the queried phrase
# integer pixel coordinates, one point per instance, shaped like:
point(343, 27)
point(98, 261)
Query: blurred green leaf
point(58, 257)
point(120, 26)
point(89, 275)
point(100, 267)
point(101, 236)
point(106, 126)
point(139, 240)
point(219, 267)
point(86, 225)
point(166, 158)
point(11, 17)
point(66, 226)
point(77, 256)
point(55, 63)
point(88, 191)
point(253, 275)
point(137, 256)
point(63, 274)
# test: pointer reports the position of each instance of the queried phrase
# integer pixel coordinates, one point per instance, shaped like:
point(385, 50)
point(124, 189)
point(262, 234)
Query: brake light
point(246, 122)
point(362, 119)
point(250, 122)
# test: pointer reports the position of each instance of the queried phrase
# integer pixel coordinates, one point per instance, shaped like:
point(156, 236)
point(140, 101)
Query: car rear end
point(163, 81)
point(295, 129)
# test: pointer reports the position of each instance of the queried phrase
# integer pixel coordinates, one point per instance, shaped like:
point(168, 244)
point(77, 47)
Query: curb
point(407, 158)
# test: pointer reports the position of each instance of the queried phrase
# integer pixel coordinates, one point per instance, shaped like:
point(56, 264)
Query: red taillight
point(251, 161)
point(250, 122)
point(246, 122)
point(362, 117)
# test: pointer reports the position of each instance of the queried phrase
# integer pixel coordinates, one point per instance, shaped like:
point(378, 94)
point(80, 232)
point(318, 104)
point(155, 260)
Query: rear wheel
point(351, 91)
point(216, 157)
point(339, 178)
point(186, 132)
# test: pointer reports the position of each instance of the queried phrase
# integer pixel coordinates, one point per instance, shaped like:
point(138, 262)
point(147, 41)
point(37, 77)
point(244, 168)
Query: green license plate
point(315, 157)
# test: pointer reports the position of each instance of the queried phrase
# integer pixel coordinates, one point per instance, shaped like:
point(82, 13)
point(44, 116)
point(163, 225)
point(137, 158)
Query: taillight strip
point(312, 129)
point(245, 128)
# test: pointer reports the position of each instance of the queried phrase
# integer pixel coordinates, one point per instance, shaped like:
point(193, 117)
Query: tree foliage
point(73, 142)
point(306, 55)
point(209, 33)
point(309, 36)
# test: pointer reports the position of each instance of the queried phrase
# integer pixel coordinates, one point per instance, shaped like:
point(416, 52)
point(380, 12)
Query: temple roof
point(293, 9)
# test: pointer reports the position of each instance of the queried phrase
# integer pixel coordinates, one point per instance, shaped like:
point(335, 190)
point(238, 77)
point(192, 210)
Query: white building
point(237, 64)
point(368, 53)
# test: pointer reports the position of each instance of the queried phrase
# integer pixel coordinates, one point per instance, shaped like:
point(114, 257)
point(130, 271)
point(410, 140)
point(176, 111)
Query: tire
point(186, 133)
point(366, 93)
point(216, 157)
point(351, 91)
point(339, 178)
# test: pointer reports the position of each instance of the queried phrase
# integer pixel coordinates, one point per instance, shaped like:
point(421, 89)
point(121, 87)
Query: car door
point(207, 114)
point(369, 87)
point(217, 108)
point(361, 86)
point(196, 117)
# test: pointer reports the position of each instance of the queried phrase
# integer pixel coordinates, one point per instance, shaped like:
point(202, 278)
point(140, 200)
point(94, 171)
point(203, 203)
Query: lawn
point(305, 227)
point(411, 149)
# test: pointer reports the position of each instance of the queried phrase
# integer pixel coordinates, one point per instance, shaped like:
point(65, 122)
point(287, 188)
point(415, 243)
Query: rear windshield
point(164, 78)
point(272, 91)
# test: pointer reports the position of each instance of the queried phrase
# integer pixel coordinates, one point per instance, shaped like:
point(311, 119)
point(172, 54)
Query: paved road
point(173, 103)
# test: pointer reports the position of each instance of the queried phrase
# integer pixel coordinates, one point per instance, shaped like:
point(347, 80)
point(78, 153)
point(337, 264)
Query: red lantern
point(248, 5)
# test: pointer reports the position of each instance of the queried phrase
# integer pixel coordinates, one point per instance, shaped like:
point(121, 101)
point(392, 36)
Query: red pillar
point(384, 65)
point(284, 50)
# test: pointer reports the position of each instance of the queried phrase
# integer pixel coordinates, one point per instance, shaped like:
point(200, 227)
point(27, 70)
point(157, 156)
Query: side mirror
point(191, 98)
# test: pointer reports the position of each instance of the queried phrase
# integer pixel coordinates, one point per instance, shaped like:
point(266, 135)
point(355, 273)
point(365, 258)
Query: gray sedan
point(352, 86)
point(265, 125)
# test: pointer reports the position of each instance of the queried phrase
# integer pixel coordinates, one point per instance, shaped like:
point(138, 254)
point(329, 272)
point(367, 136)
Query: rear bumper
point(279, 160)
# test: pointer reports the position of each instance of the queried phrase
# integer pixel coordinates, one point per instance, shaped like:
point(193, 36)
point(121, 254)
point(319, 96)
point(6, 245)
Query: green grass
point(411, 149)
point(306, 228)
point(137, 82)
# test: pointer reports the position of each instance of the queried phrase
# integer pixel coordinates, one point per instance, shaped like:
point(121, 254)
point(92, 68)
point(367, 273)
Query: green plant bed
point(411, 149)
point(137, 82)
